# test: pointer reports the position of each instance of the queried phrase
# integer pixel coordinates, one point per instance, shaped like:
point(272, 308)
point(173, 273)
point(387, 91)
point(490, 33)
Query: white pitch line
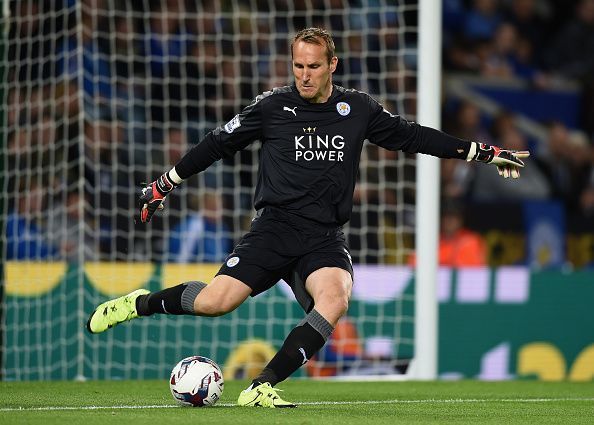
point(312, 403)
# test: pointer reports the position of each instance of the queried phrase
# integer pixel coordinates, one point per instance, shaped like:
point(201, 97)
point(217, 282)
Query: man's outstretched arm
point(393, 132)
point(222, 142)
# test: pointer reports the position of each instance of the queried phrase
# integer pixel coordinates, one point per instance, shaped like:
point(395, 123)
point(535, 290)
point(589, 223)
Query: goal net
point(101, 95)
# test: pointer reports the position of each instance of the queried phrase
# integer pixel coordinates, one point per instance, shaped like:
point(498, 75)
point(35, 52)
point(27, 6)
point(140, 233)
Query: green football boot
point(262, 395)
point(114, 312)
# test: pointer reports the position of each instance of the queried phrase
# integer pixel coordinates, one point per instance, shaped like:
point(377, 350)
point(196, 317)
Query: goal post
point(428, 192)
point(102, 95)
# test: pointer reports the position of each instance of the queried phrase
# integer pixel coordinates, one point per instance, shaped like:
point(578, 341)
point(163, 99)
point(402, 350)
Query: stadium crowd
point(143, 89)
point(541, 43)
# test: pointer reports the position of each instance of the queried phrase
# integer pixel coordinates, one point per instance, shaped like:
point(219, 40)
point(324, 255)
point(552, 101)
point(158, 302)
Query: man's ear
point(333, 64)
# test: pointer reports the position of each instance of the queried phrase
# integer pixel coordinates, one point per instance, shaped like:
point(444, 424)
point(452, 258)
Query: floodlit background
point(101, 95)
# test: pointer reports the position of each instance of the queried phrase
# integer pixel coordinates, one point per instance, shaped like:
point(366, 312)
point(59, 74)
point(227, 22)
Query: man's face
point(313, 73)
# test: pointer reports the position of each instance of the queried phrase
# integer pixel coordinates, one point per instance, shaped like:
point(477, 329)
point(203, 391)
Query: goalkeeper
point(312, 134)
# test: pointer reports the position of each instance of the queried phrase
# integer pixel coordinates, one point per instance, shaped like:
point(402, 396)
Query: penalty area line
point(314, 403)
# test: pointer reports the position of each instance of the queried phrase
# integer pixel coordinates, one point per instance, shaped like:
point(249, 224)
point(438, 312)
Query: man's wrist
point(165, 183)
point(481, 152)
point(471, 152)
point(174, 176)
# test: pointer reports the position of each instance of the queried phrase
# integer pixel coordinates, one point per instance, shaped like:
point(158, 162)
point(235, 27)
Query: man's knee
point(331, 290)
point(335, 299)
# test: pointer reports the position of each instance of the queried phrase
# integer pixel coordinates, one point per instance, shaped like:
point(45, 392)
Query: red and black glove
point(508, 162)
point(153, 196)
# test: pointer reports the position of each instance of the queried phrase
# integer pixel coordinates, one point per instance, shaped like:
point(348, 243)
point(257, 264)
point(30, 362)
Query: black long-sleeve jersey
point(310, 151)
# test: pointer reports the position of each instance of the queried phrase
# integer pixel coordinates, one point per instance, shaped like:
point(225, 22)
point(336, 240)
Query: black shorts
point(279, 246)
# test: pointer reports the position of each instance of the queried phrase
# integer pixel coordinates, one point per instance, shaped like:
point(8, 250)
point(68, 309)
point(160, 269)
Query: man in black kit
point(312, 134)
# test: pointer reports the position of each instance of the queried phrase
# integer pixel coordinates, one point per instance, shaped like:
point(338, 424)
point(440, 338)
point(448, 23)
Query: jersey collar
point(333, 95)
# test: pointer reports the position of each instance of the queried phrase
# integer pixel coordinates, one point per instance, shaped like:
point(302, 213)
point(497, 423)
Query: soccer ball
point(196, 381)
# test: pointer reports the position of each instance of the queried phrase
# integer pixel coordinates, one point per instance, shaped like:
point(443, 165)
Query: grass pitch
point(327, 403)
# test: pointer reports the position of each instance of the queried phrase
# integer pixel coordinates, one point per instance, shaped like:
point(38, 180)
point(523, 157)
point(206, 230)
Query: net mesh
point(99, 96)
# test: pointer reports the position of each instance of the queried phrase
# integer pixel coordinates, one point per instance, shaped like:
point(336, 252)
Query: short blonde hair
point(317, 36)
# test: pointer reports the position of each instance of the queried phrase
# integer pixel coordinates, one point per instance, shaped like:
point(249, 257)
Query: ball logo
point(232, 262)
point(343, 108)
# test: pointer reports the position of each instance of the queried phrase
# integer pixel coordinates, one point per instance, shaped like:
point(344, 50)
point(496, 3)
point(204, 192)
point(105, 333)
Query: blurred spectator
point(279, 74)
point(204, 73)
point(527, 17)
point(503, 122)
point(166, 39)
point(570, 55)
point(26, 106)
point(34, 139)
point(466, 124)
point(499, 61)
point(509, 55)
point(124, 49)
point(458, 245)
point(570, 51)
point(176, 145)
point(501, 45)
point(25, 50)
point(454, 14)
point(482, 20)
point(165, 47)
point(110, 179)
point(32, 37)
point(587, 203)
point(74, 229)
point(566, 163)
point(354, 70)
point(88, 44)
point(586, 199)
point(26, 237)
point(230, 101)
point(455, 178)
point(201, 236)
point(66, 100)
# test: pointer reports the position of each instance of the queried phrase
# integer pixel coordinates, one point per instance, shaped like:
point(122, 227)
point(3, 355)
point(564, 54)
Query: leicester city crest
point(343, 108)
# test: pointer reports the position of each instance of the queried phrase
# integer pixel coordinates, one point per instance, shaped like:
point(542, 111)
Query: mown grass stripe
point(315, 403)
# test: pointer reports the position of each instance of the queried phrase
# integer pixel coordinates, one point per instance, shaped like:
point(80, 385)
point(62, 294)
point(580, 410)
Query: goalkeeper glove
point(508, 162)
point(153, 196)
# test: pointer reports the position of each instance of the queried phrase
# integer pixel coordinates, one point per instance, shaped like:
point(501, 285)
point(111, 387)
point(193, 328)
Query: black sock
point(299, 346)
point(175, 300)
